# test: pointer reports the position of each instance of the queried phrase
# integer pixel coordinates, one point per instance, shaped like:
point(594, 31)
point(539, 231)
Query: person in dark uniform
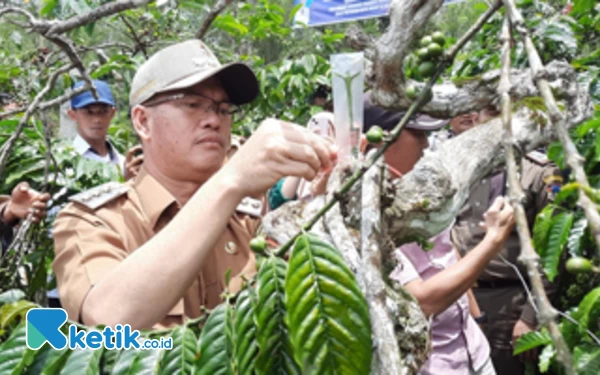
point(499, 291)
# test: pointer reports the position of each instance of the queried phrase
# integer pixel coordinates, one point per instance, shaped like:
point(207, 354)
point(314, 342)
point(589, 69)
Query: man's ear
point(71, 113)
point(112, 112)
point(139, 119)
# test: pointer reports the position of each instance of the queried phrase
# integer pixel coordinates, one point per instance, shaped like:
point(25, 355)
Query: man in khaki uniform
point(499, 291)
point(153, 251)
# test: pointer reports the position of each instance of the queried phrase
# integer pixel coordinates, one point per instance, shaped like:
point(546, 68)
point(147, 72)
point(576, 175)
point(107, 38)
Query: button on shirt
point(457, 341)
point(84, 149)
point(89, 244)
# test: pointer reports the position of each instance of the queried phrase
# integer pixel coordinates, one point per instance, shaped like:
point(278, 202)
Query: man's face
point(93, 121)
point(187, 134)
point(463, 122)
point(403, 154)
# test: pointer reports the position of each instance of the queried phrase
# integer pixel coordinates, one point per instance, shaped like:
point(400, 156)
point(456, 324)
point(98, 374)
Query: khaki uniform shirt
point(536, 179)
point(90, 243)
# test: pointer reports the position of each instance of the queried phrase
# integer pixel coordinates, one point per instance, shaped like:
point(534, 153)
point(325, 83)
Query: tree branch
point(546, 313)
point(136, 38)
point(210, 17)
point(68, 48)
point(558, 119)
point(449, 100)
point(102, 11)
point(9, 144)
point(387, 354)
point(34, 23)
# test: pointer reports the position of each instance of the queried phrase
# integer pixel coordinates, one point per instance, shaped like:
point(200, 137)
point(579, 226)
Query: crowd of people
point(133, 253)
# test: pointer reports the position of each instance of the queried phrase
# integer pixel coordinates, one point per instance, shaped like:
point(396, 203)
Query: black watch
point(481, 318)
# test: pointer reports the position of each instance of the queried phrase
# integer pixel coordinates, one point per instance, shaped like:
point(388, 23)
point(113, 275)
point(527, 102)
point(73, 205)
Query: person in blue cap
point(93, 117)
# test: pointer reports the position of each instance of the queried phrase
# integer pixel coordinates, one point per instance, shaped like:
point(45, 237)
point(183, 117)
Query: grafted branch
point(387, 354)
point(546, 313)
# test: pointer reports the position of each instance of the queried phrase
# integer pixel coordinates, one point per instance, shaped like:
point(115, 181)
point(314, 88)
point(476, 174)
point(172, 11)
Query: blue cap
point(86, 98)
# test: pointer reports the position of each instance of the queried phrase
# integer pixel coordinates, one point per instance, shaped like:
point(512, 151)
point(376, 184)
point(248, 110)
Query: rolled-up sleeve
point(86, 250)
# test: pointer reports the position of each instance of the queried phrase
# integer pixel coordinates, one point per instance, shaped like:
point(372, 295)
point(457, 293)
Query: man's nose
point(210, 119)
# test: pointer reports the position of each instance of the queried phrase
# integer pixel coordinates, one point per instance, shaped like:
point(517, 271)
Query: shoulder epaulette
point(250, 206)
point(538, 157)
point(100, 195)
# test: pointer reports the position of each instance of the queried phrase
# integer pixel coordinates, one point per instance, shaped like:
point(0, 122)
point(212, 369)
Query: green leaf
point(541, 229)
point(147, 362)
point(332, 38)
point(25, 171)
point(309, 62)
point(106, 69)
point(244, 330)
point(108, 360)
point(83, 361)
point(581, 7)
point(557, 239)
point(531, 340)
point(568, 191)
point(137, 362)
point(293, 12)
point(124, 362)
point(180, 359)
point(89, 28)
point(47, 6)
point(587, 360)
point(216, 343)
point(318, 287)
point(546, 358)
point(589, 310)
point(576, 237)
point(11, 296)
point(12, 311)
point(56, 361)
point(14, 354)
point(275, 354)
point(591, 125)
point(556, 154)
point(229, 24)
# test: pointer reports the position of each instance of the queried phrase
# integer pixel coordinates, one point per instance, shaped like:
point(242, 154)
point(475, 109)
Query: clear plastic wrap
point(348, 77)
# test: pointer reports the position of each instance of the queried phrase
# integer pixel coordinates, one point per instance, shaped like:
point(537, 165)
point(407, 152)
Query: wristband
point(481, 318)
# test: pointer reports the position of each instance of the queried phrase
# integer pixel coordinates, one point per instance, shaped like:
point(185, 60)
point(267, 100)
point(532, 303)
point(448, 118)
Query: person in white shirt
point(93, 117)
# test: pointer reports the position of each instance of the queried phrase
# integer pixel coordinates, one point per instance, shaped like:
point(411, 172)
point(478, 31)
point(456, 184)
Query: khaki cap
point(185, 64)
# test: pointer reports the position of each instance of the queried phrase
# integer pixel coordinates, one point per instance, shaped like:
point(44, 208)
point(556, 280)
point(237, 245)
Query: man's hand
point(133, 163)
point(519, 330)
point(278, 149)
point(24, 200)
point(499, 220)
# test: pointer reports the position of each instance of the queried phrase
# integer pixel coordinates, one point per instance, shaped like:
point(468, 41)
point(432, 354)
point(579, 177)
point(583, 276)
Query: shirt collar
point(154, 197)
point(81, 147)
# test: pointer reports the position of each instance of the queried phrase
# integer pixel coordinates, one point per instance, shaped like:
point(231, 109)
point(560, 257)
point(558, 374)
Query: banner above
point(325, 12)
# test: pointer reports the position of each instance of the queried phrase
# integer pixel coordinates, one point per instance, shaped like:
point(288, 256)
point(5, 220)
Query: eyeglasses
point(195, 102)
